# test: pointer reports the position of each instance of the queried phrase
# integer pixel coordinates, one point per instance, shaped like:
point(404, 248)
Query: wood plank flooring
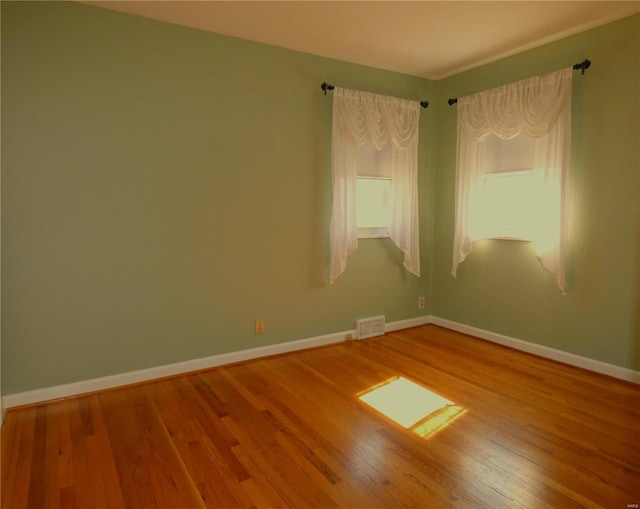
point(290, 431)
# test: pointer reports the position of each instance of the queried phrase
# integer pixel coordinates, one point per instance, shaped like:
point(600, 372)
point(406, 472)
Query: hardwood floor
point(290, 431)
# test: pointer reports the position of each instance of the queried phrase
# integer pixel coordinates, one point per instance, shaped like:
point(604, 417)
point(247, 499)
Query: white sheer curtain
point(360, 117)
point(539, 107)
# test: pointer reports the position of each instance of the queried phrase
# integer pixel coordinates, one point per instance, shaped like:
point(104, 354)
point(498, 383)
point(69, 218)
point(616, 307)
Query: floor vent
point(370, 327)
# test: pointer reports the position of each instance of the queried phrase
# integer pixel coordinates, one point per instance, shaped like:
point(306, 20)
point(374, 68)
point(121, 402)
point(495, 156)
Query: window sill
point(373, 233)
point(506, 237)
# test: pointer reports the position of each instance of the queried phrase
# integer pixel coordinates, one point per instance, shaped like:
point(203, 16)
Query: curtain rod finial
point(583, 66)
point(325, 86)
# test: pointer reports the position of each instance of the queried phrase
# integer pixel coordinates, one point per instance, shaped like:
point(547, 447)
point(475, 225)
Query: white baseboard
point(144, 375)
point(407, 324)
point(543, 351)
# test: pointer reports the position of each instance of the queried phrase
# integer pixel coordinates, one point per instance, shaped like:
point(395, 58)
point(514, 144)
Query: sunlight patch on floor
point(410, 404)
point(439, 420)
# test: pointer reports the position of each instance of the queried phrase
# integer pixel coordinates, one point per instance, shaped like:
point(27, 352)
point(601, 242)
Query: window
point(506, 207)
point(372, 207)
point(515, 201)
point(508, 197)
point(373, 190)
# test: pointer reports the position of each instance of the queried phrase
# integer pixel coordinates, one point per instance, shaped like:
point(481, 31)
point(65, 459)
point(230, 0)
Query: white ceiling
point(430, 39)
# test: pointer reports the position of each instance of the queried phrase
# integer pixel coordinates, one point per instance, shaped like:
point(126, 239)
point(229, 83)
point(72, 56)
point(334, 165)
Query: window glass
point(507, 205)
point(372, 206)
point(509, 191)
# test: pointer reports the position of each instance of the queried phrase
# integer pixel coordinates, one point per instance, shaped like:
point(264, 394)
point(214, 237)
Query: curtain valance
point(362, 116)
point(531, 106)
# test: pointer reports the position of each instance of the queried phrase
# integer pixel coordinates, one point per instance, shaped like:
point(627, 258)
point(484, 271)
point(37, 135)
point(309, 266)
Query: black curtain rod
point(582, 66)
point(325, 86)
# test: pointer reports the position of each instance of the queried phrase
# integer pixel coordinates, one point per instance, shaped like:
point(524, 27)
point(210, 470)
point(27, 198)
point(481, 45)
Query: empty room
point(319, 254)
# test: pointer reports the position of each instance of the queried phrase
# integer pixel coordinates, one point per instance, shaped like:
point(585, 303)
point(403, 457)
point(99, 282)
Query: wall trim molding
point(158, 372)
point(579, 361)
point(407, 324)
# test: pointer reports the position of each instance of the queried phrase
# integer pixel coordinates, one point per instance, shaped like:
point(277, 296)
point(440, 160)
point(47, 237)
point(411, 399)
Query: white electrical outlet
point(420, 302)
point(259, 326)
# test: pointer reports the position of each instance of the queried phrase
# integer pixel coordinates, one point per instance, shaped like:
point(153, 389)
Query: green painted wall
point(500, 287)
point(163, 187)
